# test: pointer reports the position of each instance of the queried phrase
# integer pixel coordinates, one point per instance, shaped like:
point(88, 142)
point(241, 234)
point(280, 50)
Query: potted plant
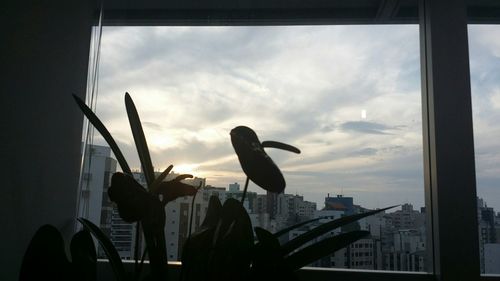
point(224, 248)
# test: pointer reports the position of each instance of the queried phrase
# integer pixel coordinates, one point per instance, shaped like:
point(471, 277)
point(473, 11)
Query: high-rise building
point(98, 167)
point(94, 204)
point(406, 218)
point(488, 226)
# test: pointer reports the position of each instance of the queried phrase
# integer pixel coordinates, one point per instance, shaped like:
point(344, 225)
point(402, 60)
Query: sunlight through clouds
point(347, 96)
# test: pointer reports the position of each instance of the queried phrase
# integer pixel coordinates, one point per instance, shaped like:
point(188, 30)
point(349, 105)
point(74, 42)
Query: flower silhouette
point(255, 162)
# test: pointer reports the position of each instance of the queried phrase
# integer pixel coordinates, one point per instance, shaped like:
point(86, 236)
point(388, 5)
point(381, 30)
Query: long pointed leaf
point(280, 145)
point(267, 255)
point(323, 248)
point(140, 140)
point(109, 249)
point(160, 178)
point(285, 230)
point(105, 134)
point(84, 256)
point(324, 228)
point(213, 212)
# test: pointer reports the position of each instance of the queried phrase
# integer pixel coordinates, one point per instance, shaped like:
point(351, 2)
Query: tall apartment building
point(488, 228)
point(98, 167)
point(93, 203)
point(406, 218)
point(291, 209)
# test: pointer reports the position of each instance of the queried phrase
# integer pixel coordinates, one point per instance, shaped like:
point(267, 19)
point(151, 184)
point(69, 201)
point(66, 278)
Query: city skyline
point(396, 240)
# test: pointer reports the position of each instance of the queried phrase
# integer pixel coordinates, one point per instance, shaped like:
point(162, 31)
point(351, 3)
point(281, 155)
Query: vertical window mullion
point(448, 140)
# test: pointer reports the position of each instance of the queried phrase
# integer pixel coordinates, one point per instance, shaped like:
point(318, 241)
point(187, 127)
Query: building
point(407, 252)
point(122, 235)
point(234, 187)
point(488, 226)
point(94, 205)
point(406, 218)
point(491, 258)
point(340, 203)
point(291, 209)
point(98, 167)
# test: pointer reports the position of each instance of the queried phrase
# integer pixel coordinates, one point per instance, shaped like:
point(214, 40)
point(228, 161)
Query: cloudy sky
point(347, 96)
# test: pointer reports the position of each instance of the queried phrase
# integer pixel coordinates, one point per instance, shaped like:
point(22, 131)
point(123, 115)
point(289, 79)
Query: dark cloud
point(151, 125)
point(368, 151)
point(366, 127)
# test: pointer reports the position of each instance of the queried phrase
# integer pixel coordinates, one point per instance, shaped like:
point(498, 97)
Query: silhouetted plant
point(219, 252)
point(136, 204)
point(255, 162)
point(222, 249)
point(45, 258)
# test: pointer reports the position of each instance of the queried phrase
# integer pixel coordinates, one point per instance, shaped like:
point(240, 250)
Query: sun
point(185, 169)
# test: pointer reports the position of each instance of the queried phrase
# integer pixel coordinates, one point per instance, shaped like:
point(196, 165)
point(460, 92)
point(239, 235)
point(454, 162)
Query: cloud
point(368, 151)
point(303, 85)
point(366, 127)
point(151, 125)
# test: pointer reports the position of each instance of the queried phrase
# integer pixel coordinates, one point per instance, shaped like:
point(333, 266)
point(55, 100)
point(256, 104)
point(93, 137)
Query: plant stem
point(245, 191)
point(191, 216)
point(138, 273)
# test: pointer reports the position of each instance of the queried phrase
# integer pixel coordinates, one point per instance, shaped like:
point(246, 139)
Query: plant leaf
point(232, 243)
point(323, 248)
point(105, 134)
point(267, 252)
point(268, 262)
point(84, 256)
point(45, 257)
point(254, 161)
point(285, 230)
point(114, 259)
point(280, 145)
point(140, 140)
point(213, 212)
point(183, 177)
point(197, 255)
point(174, 189)
point(324, 228)
point(132, 200)
point(160, 178)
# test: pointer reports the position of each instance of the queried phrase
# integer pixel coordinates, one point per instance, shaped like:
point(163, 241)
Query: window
point(355, 113)
point(431, 118)
point(484, 49)
point(449, 165)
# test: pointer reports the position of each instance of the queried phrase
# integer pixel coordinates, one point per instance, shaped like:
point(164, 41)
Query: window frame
point(449, 166)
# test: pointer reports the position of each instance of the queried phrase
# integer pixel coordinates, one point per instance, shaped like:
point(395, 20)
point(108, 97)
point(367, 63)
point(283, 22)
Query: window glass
point(348, 96)
point(484, 47)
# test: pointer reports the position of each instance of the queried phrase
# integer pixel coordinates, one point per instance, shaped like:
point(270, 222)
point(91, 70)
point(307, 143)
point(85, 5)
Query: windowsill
point(306, 273)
